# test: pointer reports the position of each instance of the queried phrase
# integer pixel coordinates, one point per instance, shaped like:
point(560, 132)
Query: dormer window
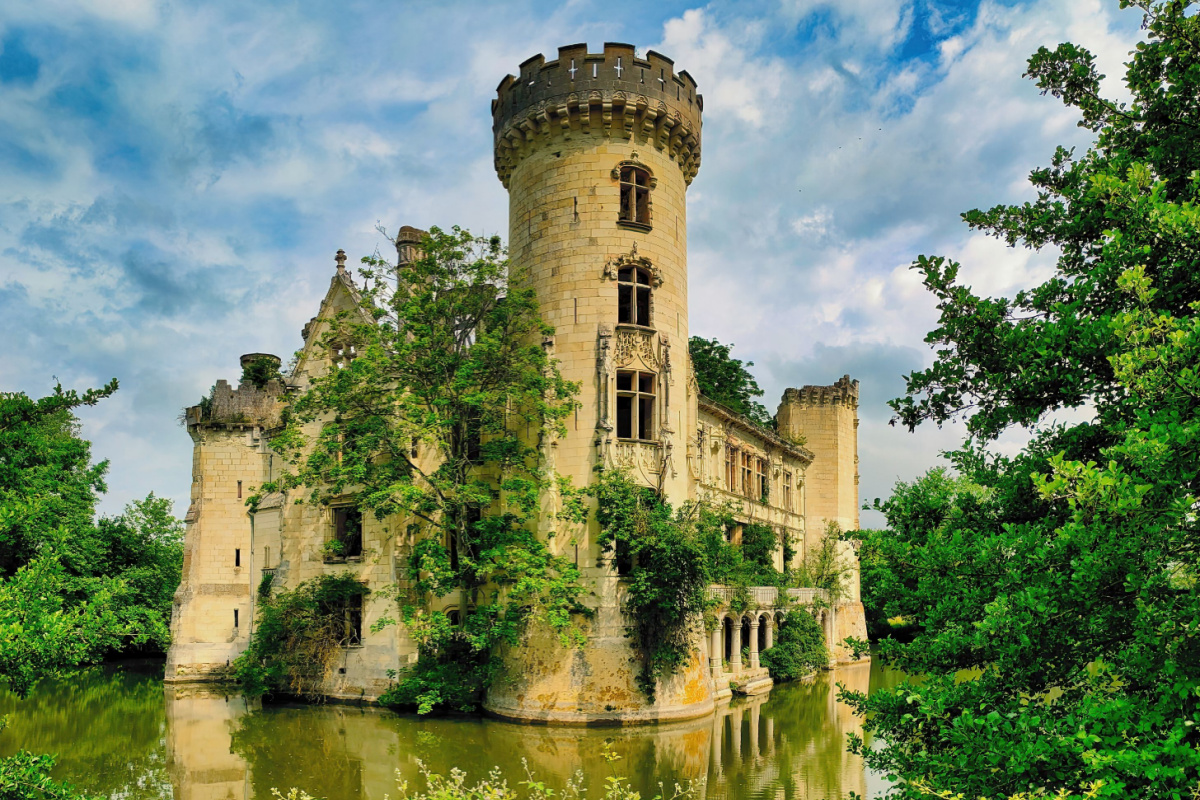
point(635, 196)
point(633, 296)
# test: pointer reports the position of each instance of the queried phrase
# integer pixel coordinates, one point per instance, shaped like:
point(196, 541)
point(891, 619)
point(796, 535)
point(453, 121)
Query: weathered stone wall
point(212, 614)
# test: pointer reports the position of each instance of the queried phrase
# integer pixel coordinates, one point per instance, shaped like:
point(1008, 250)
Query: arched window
point(635, 196)
point(633, 296)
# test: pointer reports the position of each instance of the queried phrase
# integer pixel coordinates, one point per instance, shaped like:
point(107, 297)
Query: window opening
point(787, 491)
point(239, 490)
point(266, 558)
point(747, 474)
point(633, 296)
point(764, 485)
point(635, 196)
point(731, 462)
point(635, 405)
point(351, 618)
point(347, 529)
point(235, 618)
point(342, 353)
point(237, 556)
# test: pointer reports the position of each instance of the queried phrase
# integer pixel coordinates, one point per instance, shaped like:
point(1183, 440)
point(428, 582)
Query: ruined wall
point(212, 612)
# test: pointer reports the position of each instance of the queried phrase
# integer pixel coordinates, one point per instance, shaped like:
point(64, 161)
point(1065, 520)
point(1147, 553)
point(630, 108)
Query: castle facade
point(597, 151)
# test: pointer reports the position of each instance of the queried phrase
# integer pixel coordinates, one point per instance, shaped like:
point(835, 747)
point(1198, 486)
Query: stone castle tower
point(597, 151)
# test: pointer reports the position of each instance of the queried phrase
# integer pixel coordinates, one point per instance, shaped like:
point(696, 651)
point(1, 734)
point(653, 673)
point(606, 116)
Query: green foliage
point(299, 636)
point(25, 776)
point(1062, 580)
point(668, 579)
point(449, 354)
point(799, 648)
point(725, 380)
point(261, 371)
point(759, 543)
point(822, 567)
point(451, 673)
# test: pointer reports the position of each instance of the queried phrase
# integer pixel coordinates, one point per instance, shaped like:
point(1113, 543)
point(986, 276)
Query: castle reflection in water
point(789, 745)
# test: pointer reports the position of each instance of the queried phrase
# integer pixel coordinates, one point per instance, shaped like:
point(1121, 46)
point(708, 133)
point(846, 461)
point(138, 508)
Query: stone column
point(716, 652)
point(735, 730)
point(770, 633)
point(754, 712)
point(735, 650)
point(754, 642)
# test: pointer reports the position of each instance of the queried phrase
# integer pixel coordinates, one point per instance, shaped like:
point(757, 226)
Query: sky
point(175, 179)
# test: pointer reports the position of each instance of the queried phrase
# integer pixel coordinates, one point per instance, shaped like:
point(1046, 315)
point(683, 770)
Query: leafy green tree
point(726, 380)
point(1054, 592)
point(799, 648)
point(440, 420)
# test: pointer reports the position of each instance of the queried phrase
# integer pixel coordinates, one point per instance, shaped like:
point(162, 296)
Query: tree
point(440, 421)
point(1063, 580)
point(725, 380)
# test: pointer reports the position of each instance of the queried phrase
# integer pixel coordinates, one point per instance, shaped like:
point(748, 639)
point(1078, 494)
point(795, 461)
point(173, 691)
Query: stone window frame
point(788, 485)
point(747, 473)
point(638, 282)
point(344, 507)
point(640, 399)
point(731, 468)
point(642, 215)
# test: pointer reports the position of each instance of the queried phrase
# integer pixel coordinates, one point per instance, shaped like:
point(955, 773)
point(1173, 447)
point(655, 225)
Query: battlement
point(844, 392)
point(246, 405)
point(612, 94)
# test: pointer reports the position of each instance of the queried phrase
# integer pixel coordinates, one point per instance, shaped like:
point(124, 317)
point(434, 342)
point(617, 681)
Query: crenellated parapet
point(842, 393)
point(610, 94)
point(246, 404)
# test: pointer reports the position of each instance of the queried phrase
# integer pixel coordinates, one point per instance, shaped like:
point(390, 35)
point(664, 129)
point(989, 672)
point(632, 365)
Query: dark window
point(635, 405)
point(352, 611)
point(347, 529)
point(731, 467)
point(235, 618)
point(633, 296)
point(622, 558)
point(635, 196)
point(764, 484)
point(747, 474)
point(237, 557)
point(239, 490)
point(454, 617)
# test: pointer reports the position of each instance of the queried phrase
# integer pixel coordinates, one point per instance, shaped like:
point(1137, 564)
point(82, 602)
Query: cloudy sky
point(175, 179)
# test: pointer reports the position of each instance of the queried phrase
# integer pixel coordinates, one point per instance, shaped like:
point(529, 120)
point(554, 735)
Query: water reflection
point(122, 734)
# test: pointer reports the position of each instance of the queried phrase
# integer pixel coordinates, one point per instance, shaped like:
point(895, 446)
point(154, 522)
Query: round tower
point(597, 151)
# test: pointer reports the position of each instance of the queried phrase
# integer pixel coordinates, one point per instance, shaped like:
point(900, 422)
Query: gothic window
point(787, 491)
point(342, 353)
point(764, 482)
point(731, 467)
point(635, 196)
point(633, 296)
point(747, 474)
point(635, 405)
point(347, 530)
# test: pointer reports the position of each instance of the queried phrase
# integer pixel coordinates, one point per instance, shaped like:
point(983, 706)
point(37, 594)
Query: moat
point(119, 732)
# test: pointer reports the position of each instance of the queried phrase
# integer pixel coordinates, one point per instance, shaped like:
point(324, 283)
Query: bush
point(799, 648)
point(298, 637)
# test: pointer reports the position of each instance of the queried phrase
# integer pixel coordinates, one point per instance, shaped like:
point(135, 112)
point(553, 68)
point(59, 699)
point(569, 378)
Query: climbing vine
point(299, 636)
point(799, 647)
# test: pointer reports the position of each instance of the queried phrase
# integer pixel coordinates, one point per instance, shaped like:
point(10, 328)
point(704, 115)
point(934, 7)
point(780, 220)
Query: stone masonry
point(597, 151)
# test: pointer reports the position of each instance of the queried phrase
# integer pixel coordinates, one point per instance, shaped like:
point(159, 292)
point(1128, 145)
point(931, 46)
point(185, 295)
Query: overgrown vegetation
point(439, 419)
point(670, 558)
point(726, 380)
point(799, 647)
point(261, 370)
point(72, 589)
point(299, 635)
point(1064, 578)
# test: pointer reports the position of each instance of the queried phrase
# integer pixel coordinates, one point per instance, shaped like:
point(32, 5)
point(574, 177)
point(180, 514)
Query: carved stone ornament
point(616, 171)
point(614, 265)
point(636, 344)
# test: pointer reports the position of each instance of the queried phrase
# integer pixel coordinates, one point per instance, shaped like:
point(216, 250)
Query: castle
point(597, 151)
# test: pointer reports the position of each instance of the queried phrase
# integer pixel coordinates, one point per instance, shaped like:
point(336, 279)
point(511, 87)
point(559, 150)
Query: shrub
point(799, 648)
point(298, 637)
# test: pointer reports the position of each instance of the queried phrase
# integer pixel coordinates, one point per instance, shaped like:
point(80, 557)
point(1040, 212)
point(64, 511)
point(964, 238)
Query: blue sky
point(175, 179)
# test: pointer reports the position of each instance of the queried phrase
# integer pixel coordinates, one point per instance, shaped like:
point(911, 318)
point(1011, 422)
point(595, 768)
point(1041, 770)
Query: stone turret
point(826, 418)
point(212, 611)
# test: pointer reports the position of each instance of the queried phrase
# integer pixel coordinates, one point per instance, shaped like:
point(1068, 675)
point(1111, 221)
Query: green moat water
point(122, 733)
